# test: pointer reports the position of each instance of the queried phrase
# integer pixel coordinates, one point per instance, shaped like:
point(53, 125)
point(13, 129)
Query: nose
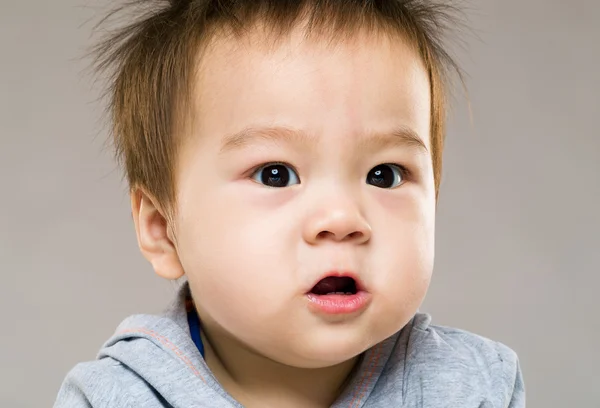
point(339, 221)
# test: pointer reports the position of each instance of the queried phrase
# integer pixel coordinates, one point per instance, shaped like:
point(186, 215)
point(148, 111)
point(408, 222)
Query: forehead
point(369, 82)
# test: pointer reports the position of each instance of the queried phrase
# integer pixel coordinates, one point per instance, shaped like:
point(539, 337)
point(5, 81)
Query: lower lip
point(339, 304)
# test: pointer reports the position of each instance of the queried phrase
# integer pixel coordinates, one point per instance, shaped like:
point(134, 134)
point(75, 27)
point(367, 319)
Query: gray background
point(519, 216)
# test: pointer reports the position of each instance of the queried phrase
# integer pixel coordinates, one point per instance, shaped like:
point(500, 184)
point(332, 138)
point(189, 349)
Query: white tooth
point(348, 293)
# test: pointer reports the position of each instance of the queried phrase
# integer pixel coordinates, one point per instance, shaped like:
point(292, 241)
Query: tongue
point(332, 285)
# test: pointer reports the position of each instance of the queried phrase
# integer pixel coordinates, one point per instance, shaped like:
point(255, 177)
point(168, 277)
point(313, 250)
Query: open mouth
point(335, 285)
point(342, 296)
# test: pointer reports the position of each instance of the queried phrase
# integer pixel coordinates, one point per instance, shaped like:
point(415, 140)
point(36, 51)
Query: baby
point(284, 159)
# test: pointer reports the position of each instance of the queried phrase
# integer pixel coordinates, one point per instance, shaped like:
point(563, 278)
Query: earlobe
point(154, 240)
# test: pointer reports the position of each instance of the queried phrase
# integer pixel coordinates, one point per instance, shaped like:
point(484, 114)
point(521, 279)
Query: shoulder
point(455, 362)
point(106, 383)
point(456, 344)
point(100, 383)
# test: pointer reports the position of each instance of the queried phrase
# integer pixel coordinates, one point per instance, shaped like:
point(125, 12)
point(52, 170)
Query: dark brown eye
point(385, 176)
point(276, 175)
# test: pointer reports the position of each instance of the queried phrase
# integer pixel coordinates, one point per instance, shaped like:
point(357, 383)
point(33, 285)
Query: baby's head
point(285, 156)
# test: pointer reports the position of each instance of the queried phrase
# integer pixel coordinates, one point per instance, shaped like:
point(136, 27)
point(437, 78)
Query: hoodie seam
point(167, 343)
point(363, 388)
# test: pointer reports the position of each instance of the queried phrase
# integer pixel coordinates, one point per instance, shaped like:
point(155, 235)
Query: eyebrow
point(401, 136)
point(255, 135)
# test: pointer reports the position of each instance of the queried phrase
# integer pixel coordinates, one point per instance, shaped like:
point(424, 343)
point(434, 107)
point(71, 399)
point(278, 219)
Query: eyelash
point(275, 163)
point(405, 171)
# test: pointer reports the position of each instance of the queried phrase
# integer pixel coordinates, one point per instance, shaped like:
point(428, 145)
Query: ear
point(154, 238)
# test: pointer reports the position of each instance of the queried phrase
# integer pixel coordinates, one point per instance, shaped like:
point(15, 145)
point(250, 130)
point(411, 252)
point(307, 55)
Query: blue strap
point(194, 323)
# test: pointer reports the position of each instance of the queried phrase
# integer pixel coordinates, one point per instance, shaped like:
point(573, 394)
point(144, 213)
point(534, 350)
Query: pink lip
point(339, 304)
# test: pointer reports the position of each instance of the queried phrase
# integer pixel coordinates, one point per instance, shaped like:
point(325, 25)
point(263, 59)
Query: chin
point(321, 352)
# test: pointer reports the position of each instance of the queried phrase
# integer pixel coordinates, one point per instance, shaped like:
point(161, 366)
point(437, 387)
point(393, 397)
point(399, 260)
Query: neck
point(256, 381)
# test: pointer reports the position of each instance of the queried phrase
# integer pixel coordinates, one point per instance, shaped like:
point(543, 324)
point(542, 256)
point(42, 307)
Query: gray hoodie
point(151, 361)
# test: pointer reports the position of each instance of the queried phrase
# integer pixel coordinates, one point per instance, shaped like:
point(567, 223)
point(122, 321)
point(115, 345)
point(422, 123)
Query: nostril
point(354, 235)
point(325, 234)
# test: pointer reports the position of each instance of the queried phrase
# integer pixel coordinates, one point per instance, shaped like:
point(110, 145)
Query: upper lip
point(340, 274)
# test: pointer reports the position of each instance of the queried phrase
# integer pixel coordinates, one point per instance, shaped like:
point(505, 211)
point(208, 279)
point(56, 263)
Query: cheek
point(405, 255)
point(233, 257)
point(403, 270)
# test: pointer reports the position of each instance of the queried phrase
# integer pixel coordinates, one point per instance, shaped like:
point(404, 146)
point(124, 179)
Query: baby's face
point(307, 162)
